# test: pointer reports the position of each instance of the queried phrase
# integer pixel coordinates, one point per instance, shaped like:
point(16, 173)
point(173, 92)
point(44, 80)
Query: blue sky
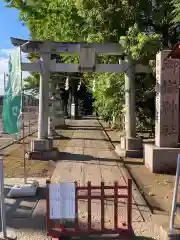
point(10, 27)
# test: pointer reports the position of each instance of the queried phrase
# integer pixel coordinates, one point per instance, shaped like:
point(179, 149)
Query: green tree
point(108, 89)
point(142, 29)
point(31, 83)
point(142, 48)
point(56, 20)
point(176, 15)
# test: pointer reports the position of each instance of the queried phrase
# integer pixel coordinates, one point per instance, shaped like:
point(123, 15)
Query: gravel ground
point(14, 161)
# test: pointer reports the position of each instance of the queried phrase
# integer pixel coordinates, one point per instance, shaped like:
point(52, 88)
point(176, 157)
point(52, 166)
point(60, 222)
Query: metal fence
point(30, 125)
point(56, 230)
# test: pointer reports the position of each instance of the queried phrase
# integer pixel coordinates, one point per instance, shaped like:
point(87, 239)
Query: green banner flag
point(12, 94)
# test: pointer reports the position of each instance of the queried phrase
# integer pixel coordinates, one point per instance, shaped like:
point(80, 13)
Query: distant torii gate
point(87, 63)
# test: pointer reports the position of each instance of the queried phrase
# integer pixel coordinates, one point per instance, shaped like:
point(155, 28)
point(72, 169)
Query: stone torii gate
point(87, 63)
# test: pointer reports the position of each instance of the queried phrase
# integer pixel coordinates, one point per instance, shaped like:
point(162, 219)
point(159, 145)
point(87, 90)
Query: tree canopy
point(142, 27)
point(176, 13)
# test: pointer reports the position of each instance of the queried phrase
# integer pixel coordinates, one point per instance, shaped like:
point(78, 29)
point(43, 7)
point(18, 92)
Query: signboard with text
point(62, 201)
point(167, 101)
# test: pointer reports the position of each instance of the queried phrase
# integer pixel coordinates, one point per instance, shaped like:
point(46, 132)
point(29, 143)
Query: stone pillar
point(44, 97)
point(167, 101)
point(61, 103)
point(161, 157)
point(61, 117)
point(69, 103)
point(130, 101)
point(73, 103)
point(42, 147)
point(51, 128)
point(130, 145)
point(52, 99)
point(59, 113)
point(66, 103)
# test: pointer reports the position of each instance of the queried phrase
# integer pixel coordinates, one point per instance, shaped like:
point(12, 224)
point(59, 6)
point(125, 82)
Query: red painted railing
point(57, 230)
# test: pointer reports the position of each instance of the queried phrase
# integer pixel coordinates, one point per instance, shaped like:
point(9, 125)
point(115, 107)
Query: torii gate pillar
point(44, 97)
point(43, 143)
point(131, 146)
point(130, 101)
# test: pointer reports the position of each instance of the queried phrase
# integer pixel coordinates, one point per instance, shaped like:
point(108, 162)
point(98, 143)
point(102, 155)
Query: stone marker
point(167, 101)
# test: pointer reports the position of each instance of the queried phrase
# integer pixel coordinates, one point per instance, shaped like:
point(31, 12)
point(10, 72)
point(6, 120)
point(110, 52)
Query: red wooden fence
point(57, 230)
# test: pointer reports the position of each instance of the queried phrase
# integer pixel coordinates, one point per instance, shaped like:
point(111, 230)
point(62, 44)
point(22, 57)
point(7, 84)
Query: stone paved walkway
point(89, 156)
point(85, 155)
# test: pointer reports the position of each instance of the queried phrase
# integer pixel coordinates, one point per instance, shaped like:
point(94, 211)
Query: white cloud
point(3, 69)
point(5, 52)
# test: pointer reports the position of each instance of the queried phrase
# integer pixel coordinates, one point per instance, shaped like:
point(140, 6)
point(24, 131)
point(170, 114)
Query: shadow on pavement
point(142, 238)
point(60, 137)
point(85, 128)
point(36, 219)
point(81, 157)
point(31, 212)
point(83, 226)
point(25, 212)
point(117, 237)
point(138, 161)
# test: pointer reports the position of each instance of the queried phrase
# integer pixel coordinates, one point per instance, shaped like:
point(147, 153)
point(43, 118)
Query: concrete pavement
point(86, 154)
point(90, 156)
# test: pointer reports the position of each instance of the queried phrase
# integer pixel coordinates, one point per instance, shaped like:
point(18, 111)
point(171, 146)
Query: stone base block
point(128, 153)
point(43, 155)
point(60, 127)
point(131, 143)
point(60, 121)
point(73, 117)
point(160, 159)
point(52, 133)
point(10, 235)
point(122, 143)
point(130, 147)
point(134, 144)
point(41, 145)
point(172, 234)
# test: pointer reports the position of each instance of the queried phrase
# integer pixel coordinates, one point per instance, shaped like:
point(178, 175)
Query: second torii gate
point(87, 63)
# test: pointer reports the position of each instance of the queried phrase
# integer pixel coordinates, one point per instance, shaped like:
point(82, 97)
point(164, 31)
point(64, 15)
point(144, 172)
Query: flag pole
point(4, 81)
point(5, 74)
point(23, 126)
point(29, 119)
point(22, 190)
